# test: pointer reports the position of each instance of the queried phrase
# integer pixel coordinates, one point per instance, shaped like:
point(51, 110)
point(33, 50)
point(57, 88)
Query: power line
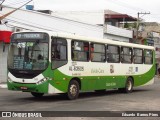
point(120, 3)
point(7, 14)
point(128, 6)
point(2, 2)
point(15, 2)
point(35, 26)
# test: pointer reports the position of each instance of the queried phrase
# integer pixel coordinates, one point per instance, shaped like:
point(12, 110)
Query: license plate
point(23, 88)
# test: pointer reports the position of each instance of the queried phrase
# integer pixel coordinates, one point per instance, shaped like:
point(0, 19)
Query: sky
point(130, 7)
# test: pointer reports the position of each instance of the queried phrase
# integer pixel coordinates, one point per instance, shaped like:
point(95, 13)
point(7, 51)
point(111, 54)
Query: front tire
point(73, 90)
point(37, 95)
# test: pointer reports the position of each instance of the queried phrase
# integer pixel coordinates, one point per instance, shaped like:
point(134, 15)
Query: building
point(151, 36)
point(5, 34)
point(114, 30)
point(37, 21)
point(110, 20)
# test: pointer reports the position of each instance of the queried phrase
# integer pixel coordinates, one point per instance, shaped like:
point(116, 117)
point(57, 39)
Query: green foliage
point(130, 25)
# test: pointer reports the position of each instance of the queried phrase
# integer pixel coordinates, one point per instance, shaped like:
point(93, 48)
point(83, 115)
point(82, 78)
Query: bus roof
point(100, 40)
point(91, 39)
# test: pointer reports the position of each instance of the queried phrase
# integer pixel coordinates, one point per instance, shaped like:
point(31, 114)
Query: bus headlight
point(42, 81)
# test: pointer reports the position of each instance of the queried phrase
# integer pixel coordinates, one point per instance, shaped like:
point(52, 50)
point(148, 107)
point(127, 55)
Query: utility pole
point(138, 20)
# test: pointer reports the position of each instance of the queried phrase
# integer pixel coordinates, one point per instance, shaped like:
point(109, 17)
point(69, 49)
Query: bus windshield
point(28, 55)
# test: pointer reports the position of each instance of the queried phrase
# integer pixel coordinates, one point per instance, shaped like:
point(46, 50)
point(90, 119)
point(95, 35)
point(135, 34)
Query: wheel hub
point(73, 90)
point(129, 85)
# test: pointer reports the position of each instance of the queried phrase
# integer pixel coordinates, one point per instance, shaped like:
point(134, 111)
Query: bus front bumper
point(41, 88)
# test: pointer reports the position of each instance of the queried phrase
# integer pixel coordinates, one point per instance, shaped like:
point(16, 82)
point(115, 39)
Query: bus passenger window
point(80, 51)
point(59, 52)
point(126, 55)
point(137, 56)
point(97, 52)
point(113, 54)
point(148, 56)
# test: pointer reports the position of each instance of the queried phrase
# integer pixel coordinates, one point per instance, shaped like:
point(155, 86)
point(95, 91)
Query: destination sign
point(29, 36)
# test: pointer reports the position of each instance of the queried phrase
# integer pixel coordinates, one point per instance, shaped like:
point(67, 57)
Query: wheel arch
point(131, 78)
point(78, 80)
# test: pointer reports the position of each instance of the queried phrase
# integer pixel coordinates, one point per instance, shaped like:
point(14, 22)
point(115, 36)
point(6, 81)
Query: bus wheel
point(37, 95)
point(128, 87)
point(73, 90)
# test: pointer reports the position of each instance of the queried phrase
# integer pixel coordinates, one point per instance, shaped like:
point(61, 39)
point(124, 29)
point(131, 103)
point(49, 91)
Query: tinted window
point(59, 52)
point(137, 56)
point(126, 55)
point(113, 53)
point(97, 52)
point(148, 56)
point(80, 51)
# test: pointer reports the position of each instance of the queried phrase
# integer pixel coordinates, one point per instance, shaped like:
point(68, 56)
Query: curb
point(3, 85)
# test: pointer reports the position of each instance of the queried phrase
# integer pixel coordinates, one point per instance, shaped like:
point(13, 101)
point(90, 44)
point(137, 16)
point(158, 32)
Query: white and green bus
point(48, 62)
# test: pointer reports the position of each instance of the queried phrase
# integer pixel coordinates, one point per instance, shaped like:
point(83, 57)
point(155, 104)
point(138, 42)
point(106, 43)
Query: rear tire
point(37, 95)
point(128, 86)
point(73, 90)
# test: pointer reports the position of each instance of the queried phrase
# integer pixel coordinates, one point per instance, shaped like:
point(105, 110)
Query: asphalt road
point(146, 98)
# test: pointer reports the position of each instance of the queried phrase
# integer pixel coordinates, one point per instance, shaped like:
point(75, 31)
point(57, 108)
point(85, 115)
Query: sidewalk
point(3, 85)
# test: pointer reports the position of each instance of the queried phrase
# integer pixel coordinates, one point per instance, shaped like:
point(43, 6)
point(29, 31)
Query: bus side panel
point(111, 82)
point(58, 80)
point(88, 83)
point(144, 78)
